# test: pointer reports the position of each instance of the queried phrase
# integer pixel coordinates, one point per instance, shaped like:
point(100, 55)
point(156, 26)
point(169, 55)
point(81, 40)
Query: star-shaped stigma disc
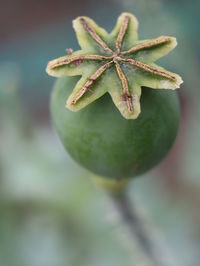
point(117, 63)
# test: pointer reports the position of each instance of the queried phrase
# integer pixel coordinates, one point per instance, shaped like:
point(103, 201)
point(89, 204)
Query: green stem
point(136, 226)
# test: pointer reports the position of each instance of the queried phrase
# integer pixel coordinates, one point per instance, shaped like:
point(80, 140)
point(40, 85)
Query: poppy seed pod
point(122, 116)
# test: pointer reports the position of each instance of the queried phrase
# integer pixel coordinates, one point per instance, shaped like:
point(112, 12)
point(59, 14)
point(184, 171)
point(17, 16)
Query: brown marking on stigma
point(78, 62)
point(149, 69)
point(126, 95)
point(76, 59)
point(90, 81)
point(94, 35)
point(122, 32)
point(147, 45)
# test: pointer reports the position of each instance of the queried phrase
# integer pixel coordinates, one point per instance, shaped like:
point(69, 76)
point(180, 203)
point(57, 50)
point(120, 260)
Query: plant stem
point(136, 226)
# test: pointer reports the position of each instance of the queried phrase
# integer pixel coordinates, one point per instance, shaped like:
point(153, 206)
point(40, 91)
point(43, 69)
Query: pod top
point(116, 62)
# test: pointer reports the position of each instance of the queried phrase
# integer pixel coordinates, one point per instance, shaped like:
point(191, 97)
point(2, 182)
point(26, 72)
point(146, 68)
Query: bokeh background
point(51, 213)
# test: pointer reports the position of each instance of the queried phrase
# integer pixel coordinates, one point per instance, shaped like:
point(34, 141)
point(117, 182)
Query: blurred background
point(51, 213)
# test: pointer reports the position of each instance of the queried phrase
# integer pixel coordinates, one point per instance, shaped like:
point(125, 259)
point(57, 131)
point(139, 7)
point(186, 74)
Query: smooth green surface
point(101, 140)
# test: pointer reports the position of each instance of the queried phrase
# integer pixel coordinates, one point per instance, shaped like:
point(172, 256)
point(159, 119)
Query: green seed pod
point(101, 140)
point(109, 142)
